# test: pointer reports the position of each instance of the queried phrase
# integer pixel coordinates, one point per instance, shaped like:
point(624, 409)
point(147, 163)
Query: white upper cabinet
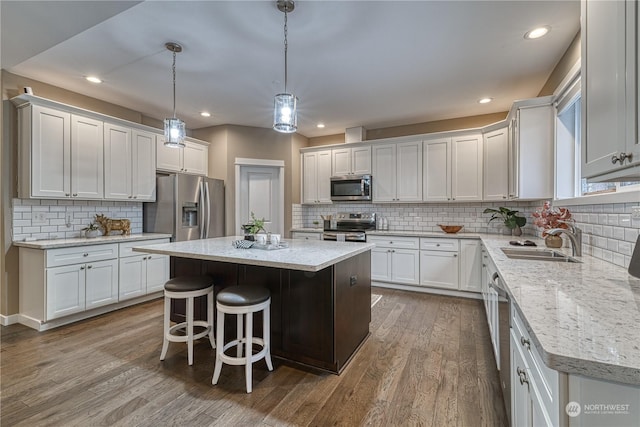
point(495, 167)
point(397, 172)
point(143, 164)
point(531, 153)
point(610, 110)
point(453, 169)
point(316, 176)
point(60, 154)
point(351, 161)
point(192, 159)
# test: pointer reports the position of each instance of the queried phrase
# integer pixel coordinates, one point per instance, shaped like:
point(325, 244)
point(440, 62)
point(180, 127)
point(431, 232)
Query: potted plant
point(510, 219)
point(91, 230)
point(547, 218)
point(254, 227)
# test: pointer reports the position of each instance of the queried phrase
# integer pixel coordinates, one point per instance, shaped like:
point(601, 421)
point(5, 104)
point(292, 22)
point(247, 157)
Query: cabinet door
point(384, 173)
point(65, 290)
point(535, 152)
point(381, 264)
point(495, 167)
point(405, 266)
point(87, 153)
point(361, 160)
point(324, 176)
point(466, 168)
point(310, 177)
point(50, 153)
point(168, 159)
point(439, 269)
point(132, 274)
point(195, 158)
point(101, 283)
point(437, 170)
point(117, 162)
point(470, 266)
point(143, 166)
point(157, 273)
point(341, 161)
point(520, 400)
point(409, 172)
point(306, 236)
point(603, 85)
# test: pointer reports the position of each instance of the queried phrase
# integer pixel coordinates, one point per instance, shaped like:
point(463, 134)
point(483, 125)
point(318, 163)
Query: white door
point(466, 168)
point(361, 160)
point(496, 165)
point(157, 272)
point(50, 153)
point(196, 159)
point(409, 172)
point(437, 170)
point(384, 173)
point(381, 264)
point(439, 269)
point(65, 290)
point(405, 266)
point(144, 165)
point(101, 283)
point(341, 161)
point(133, 277)
point(87, 151)
point(117, 162)
point(470, 266)
point(259, 191)
point(168, 159)
point(310, 178)
point(324, 176)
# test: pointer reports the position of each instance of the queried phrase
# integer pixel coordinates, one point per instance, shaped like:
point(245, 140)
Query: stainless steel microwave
point(351, 188)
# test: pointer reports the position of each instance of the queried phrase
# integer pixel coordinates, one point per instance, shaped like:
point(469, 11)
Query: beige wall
point(570, 57)
point(326, 140)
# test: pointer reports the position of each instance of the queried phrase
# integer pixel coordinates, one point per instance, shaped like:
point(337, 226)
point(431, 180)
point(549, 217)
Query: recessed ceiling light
point(320, 125)
point(536, 33)
point(485, 100)
point(93, 79)
point(205, 114)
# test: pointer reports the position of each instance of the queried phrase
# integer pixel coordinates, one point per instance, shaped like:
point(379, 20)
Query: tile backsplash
point(609, 232)
point(51, 219)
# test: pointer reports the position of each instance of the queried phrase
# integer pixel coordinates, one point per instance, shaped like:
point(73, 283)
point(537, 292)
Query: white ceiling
point(351, 63)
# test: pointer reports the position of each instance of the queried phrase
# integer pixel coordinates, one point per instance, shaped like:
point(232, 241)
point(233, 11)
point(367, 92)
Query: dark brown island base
point(320, 292)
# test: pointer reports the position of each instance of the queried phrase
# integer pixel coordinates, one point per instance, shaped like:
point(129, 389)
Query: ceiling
point(351, 63)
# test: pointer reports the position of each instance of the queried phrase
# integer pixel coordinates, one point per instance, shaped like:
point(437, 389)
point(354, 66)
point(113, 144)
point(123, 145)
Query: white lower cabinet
point(395, 259)
point(101, 286)
point(141, 274)
point(439, 269)
point(306, 235)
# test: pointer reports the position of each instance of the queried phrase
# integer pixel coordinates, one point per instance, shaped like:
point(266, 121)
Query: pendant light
point(285, 114)
point(174, 129)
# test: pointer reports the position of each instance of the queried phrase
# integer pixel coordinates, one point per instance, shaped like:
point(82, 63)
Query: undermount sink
point(538, 255)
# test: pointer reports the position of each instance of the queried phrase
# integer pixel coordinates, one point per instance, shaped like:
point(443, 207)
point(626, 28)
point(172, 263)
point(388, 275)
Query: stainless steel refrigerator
point(189, 207)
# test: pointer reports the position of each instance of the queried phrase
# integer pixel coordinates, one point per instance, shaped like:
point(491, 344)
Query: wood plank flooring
point(427, 362)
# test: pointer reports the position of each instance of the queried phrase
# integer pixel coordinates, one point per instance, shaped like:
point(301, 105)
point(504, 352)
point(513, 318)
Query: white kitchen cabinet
point(316, 177)
point(351, 161)
point(610, 109)
point(141, 274)
point(60, 154)
point(192, 159)
point(531, 166)
point(439, 269)
point(397, 172)
point(129, 163)
point(101, 283)
point(65, 291)
point(395, 259)
point(306, 235)
point(453, 169)
point(495, 166)
point(470, 265)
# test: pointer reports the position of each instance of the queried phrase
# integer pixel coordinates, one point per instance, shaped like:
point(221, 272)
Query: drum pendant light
point(174, 129)
point(285, 114)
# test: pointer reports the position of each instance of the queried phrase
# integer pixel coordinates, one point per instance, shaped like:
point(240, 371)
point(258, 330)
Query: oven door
point(351, 188)
point(349, 236)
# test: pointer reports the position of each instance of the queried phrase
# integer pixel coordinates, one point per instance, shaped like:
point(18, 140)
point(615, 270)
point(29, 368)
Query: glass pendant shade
point(285, 113)
point(174, 133)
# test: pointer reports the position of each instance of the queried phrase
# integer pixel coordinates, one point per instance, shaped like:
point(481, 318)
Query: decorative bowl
point(450, 228)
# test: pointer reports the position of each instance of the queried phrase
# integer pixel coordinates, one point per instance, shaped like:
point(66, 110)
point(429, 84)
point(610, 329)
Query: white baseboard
point(427, 290)
point(12, 319)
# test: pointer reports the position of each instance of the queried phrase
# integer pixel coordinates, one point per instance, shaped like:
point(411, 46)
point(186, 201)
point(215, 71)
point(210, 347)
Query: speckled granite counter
point(583, 317)
point(307, 230)
point(442, 234)
point(82, 241)
point(304, 255)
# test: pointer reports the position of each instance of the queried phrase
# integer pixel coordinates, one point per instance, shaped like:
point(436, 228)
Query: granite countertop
point(305, 255)
point(307, 230)
point(83, 241)
point(583, 317)
point(459, 235)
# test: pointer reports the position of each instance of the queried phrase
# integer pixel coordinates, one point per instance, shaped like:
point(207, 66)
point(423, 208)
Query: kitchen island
point(320, 291)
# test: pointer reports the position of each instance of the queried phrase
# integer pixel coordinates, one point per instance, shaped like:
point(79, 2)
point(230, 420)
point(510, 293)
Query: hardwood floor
point(427, 362)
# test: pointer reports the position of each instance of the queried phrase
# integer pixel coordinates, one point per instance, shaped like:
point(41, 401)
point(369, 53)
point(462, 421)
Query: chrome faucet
point(574, 234)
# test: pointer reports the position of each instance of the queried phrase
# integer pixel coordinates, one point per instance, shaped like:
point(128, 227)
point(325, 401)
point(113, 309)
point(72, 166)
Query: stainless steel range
point(351, 227)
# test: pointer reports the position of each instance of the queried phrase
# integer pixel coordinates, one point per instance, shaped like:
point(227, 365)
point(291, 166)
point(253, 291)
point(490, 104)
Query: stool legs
point(190, 330)
point(219, 348)
point(210, 319)
point(239, 331)
point(266, 335)
point(248, 350)
point(167, 314)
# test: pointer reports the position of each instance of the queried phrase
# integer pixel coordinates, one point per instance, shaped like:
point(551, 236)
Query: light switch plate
point(38, 218)
point(635, 212)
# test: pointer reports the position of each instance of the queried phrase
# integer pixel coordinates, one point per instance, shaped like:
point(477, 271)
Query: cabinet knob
point(504, 197)
point(135, 197)
point(67, 194)
point(85, 254)
point(75, 194)
point(82, 267)
point(525, 342)
point(149, 257)
point(455, 255)
point(89, 266)
point(185, 170)
point(621, 158)
point(437, 244)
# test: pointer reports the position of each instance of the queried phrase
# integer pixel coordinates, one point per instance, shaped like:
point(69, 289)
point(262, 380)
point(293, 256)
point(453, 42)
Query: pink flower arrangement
point(548, 218)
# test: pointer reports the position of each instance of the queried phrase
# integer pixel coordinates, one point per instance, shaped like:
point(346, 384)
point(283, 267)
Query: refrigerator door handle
point(208, 206)
point(201, 211)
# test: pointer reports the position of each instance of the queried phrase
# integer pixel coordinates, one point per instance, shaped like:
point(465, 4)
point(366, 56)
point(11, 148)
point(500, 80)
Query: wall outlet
point(635, 212)
point(38, 218)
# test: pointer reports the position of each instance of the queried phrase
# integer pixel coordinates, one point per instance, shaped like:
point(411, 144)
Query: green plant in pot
point(254, 227)
point(92, 230)
point(510, 219)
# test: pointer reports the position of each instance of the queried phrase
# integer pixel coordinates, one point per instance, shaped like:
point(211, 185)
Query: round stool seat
point(188, 284)
point(238, 296)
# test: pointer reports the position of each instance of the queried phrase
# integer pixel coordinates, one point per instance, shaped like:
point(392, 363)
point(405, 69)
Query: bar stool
point(243, 301)
point(187, 288)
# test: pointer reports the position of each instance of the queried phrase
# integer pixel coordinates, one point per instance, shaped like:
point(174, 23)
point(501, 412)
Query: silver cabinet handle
point(525, 342)
point(455, 255)
point(437, 244)
point(82, 267)
point(67, 194)
point(75, 194)
point(149, 257)
point(85, 254)
point(89, 266)
point(520, 371)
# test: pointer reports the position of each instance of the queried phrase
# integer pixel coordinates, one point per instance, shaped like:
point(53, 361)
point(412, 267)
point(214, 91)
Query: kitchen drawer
point(546, 379)
point(395, 242)
point(80, 254)
point(126, 248)
point(435, 244)
point(306, 236)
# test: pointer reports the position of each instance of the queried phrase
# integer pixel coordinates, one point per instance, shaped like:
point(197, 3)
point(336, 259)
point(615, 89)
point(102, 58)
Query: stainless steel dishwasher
point(503, 314)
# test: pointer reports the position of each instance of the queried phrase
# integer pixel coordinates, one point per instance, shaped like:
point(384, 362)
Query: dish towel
point(242, 244)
